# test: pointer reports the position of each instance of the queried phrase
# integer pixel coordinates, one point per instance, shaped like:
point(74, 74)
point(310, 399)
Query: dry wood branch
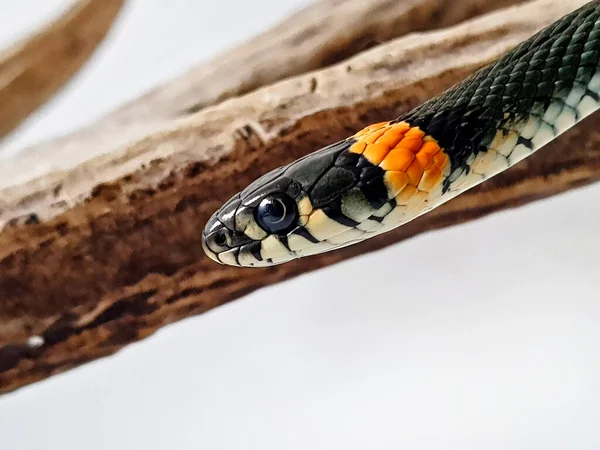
point(33, 70)
point(116, 254)
point(322, 34)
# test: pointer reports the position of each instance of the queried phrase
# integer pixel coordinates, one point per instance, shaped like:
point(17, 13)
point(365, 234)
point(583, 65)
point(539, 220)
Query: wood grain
point(100, 254)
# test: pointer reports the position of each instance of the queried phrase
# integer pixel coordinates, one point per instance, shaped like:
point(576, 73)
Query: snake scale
point(390, 173)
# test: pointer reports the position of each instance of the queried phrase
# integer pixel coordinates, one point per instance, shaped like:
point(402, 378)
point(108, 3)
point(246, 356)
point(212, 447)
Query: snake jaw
point(214, 238)
point(229, 247)
point(221, 241)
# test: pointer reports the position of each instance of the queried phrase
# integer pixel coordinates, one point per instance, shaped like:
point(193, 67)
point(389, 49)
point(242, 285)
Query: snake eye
point(220, 238)
point(276, 213)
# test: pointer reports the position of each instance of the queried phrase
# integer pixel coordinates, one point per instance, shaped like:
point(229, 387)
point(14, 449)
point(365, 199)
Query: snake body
point(391, 172)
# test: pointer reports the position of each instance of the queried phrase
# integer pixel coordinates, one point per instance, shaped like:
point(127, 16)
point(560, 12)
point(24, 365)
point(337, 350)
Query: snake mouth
point(223, 244)
point(208, 251)
point(218, 246)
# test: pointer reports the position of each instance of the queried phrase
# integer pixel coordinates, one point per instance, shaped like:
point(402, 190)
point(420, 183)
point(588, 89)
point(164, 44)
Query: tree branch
point(324, 33)
point(33, 70)
point(99, 254)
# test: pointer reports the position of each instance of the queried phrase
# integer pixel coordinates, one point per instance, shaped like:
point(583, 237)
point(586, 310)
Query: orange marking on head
point(415, 132)
point(399, 127)
point(425, 159)
point(411, 144)
point(409, 156)
point(375, 153)
point(375, 141)
point(359, 147)
point(425, 171)
point(414, 172)
point(393, 134)
point(398, 159)
point(390, 140)
point(430, 148)
point(378, 125)
point(395, 182)
point(372, 137)
point(402, 126)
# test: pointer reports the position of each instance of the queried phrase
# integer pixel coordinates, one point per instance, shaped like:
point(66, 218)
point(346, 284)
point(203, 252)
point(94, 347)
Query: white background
point(485, 335)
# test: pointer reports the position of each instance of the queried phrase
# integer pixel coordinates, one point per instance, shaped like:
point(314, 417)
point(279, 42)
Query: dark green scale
point(542, 69)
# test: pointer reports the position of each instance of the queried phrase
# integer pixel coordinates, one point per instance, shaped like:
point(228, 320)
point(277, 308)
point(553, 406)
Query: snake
point(389, 173)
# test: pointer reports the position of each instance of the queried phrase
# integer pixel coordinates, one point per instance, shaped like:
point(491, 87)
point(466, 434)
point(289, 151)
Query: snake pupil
point(220, 239)
point(276, 213)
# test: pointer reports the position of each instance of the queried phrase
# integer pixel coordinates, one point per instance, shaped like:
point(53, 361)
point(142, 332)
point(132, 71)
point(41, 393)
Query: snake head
point(251, 228)
point(278, 217)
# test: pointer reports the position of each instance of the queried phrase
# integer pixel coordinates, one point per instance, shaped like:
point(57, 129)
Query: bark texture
point(316, 37)
point(102, 251)
point(32, 71)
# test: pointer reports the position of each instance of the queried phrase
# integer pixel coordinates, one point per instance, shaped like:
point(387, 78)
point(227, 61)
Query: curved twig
point(34, 69)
